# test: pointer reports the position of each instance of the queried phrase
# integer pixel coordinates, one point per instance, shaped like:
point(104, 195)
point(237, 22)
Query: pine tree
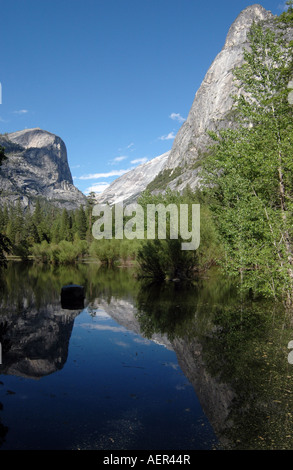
point(81, 223)
point(5, 244)
point(65, 226)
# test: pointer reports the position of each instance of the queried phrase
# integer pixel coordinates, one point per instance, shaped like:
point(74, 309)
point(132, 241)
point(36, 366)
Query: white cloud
point(97, 188)
point(139, 160)
point(170, 136)
point(118, 159)
point(115, 329)
point(21, 111)
point(177, 117)
point(94, 176)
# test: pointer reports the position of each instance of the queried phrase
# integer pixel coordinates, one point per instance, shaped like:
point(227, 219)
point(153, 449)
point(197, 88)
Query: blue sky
point(114, 79)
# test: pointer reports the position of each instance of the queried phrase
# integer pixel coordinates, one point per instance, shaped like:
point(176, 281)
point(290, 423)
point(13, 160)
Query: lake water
point(140, 366)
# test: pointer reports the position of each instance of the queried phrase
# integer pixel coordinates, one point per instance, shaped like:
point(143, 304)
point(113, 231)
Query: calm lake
point(140, 366)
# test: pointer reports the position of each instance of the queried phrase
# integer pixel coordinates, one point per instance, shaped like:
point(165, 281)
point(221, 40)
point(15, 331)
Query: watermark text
point(156, 220)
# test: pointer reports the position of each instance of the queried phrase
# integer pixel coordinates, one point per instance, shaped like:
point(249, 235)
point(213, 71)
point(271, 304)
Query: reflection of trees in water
point(243, 344)
point(23, 284)
point(165, 308)
point(172, 307)
point(248, 349)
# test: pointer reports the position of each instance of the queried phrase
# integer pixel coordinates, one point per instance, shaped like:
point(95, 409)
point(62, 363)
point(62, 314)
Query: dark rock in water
point(72, 297)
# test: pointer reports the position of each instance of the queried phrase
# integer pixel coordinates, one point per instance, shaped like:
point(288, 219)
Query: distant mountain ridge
point(37, 167)
point(130, 185)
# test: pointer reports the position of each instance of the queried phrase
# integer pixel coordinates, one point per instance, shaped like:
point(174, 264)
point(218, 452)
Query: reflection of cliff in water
point(34, 329)
point(215, 396)
point(184, 313)
point(164, 314)
point(36, 341)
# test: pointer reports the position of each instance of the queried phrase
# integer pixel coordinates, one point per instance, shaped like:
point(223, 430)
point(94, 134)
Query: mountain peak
point(37, 167)
point(129, 186)
point(213, 101)
point(33, 138)
point(237, 34)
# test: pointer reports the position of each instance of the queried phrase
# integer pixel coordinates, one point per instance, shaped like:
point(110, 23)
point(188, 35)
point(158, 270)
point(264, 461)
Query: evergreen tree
point(5, 244)
point(65, 226)
point(41, 222)
point(81, 223)
point(91, 201)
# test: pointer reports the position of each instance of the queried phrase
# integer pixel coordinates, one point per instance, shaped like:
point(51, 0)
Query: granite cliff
point(37, 167)
point(130, 185)
point(212, 105)
point(211, 110)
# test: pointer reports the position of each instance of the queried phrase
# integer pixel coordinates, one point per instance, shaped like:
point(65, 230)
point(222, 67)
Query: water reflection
point(36, 321)
point(85, 391)
point(234, 353)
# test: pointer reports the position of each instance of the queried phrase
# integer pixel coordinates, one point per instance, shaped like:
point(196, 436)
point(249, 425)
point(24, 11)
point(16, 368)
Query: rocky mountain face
point(37, 167)
point(130, 185)
point(212, 105)
point(35, 339)
point(211, 110)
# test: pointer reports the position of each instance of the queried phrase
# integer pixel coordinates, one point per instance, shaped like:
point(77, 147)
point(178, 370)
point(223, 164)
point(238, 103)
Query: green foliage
point(31, 230)
point(109, 252)
point(250, 171)
point(161, 259)
point(5, 248)
point(5, 244)
point(65, 252)
point(106, 251)
point(81, 221)
point(151, 260)
point(287, 17)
